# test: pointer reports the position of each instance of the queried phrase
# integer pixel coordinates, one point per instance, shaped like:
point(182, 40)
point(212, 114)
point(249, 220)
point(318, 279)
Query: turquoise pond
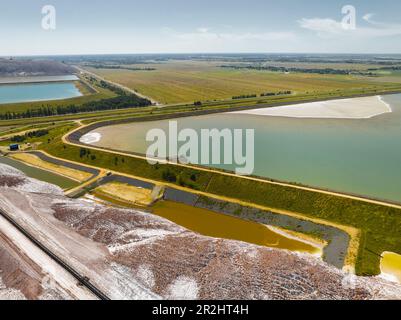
point(27, 92)
point(361, 156)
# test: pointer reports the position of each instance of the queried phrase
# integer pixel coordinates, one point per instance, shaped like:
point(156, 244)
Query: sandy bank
point(356, 108)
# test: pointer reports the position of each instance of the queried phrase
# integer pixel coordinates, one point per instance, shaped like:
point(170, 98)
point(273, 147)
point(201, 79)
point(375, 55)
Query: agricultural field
point(390, 76)
point(184, 81)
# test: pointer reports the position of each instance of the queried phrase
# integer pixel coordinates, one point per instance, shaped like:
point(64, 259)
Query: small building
point(14, 147)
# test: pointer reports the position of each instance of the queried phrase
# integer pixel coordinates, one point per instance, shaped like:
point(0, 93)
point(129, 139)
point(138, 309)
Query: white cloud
point(367, 17)
point(204, 33)
point(331, 28)
point(319, 25)
point(225, 39)
point(202, 30)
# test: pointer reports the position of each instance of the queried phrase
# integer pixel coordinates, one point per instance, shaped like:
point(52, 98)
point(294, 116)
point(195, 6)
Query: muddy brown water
point(217, 225)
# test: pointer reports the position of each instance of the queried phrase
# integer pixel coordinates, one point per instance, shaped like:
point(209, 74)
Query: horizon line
point(197, 53)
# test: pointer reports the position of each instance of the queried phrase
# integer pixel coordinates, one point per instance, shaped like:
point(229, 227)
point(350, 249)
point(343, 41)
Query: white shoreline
point(90, 138)
point(36, 79)
point(385, 103)
point(354, 108)
point(319, 246)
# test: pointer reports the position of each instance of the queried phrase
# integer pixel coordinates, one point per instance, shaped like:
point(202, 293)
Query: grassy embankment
point(6, 132)
point(54, 130)
point(379, 224)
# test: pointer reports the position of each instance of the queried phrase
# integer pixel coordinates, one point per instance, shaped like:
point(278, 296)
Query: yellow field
point(64, 171)
point(188, 81)
point(126, 193)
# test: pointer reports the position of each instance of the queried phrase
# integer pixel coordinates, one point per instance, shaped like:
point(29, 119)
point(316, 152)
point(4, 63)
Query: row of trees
point(244, 96)
point(280, 93)
point(116, 67)
point(170, 176)
point(394, 68)
point(303, 70)
point(265, 94)
point(119, 102)
point(32, 134)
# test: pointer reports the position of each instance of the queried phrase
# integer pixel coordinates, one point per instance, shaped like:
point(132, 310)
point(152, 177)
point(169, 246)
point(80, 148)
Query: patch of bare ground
point(17, 273)
point(176, 263)
point(220, 269)
point(22, 278)
point(7, 181)
point(130, 254)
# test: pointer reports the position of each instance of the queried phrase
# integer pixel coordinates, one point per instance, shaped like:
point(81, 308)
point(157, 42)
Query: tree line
point(265, 94)
point(303, 70)
point(116, 67)
point(32, 134)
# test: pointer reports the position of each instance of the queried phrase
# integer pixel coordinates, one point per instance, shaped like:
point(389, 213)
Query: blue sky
point(184, 26)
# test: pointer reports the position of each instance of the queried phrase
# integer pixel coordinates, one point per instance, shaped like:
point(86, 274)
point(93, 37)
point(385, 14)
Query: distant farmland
point(188, 81)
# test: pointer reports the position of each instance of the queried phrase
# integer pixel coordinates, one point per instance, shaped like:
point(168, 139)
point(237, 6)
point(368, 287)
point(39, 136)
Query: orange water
point(217, 225)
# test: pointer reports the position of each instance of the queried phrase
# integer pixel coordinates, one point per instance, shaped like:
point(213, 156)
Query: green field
point(188, 81)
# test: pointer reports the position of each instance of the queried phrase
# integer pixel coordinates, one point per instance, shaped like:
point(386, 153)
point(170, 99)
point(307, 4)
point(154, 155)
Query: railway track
point(83, 280)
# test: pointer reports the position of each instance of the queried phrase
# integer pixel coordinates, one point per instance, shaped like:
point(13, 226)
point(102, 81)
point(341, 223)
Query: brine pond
point(39, 174)
point(357, 156)
point(210, 224)
point(29, 92)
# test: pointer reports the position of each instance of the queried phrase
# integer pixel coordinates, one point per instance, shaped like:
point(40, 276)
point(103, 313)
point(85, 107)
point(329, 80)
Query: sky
point(207, 26)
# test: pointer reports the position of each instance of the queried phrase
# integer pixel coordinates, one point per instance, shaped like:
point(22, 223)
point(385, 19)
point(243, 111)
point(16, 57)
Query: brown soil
point(18, 271)
point(10, 181)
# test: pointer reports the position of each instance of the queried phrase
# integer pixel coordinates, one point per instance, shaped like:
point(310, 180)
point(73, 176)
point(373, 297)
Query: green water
point(39, 174)
point(14, 93)
point(355, 156)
